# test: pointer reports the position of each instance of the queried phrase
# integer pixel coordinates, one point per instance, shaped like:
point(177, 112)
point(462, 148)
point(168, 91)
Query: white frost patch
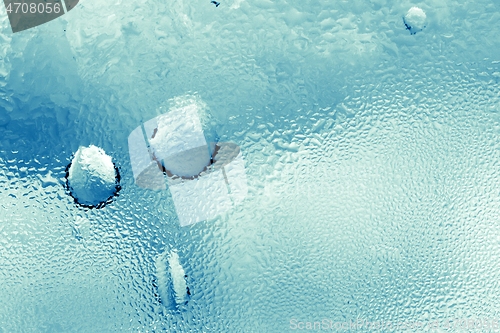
point(415, 20)
point(171, 279)
point(91, 177)
point(162, 278)
point(178, 278)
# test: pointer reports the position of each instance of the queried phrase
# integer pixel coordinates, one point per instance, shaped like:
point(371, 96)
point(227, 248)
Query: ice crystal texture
point(372, 158)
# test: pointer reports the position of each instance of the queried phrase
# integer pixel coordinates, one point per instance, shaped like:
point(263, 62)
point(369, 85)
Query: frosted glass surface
point(372, 160)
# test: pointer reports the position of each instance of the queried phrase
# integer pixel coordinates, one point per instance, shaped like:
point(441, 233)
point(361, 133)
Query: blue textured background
point(372, 156)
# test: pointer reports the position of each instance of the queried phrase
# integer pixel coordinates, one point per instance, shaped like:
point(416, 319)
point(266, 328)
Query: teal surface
point(372, 160)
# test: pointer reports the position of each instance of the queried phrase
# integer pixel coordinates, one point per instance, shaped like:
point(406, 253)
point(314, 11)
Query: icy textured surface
point(178, 278)
point(415, 20)
point(91, 176)
point(4, 117)
point(201, 199)
point(372, 159)
point(163, 282)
